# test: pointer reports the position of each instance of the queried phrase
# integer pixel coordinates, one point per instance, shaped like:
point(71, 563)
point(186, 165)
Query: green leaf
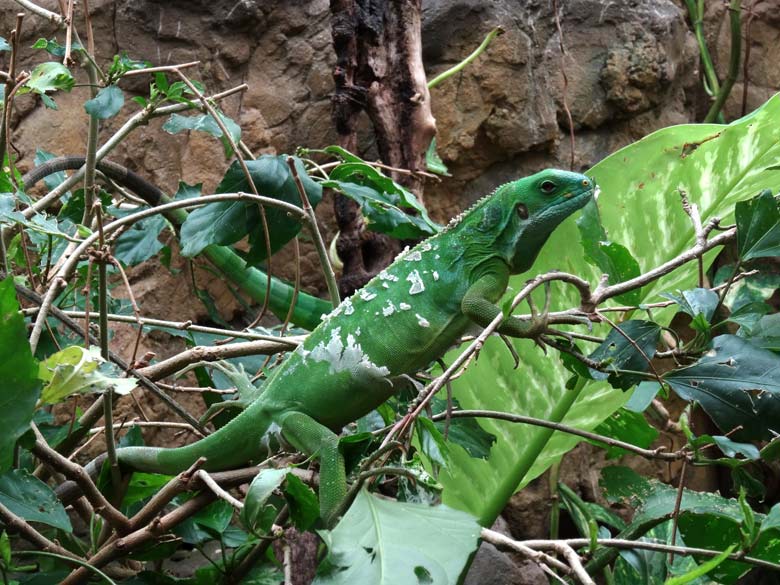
point(380, 196)
point(432, 442)
point(226, 223)
point(209, 523)
point(640, 208)
point(139, 242)
point(771, 451)
point(758, 227)
point(380, 215)
point(29, 498)
point(698, 301)
point(766, 333)
point(643, 395)
point(54, 48)
point(611, 258)
point(302, 501)
point(702, 569)
point(465, 432)
point(630, 350)
point(106, 104)
point(732, 448)
point(258, 514)
point(5, 549)
point(205, 123)
point(433, 161)
point(4, 46)
point(737, 384)
point(629, 427)
point(772, 520)
point(381, 541)
point(50, 76)
point(143, 486)
point(19, 385)
point(75, 370)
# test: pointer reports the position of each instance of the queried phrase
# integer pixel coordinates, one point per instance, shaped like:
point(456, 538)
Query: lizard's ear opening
point(522, 210)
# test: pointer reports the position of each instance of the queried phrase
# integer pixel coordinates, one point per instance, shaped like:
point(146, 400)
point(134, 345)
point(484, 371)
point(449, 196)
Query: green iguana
point(400, 322)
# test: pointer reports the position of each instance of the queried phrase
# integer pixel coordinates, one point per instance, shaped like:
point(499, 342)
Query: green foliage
point(381, 541)
point(715, 166)
point(227, 222)
point(737, 384)
point(19, 385)
point(609, 257)
point(627, 349)
point(203, 123)
point(29, 498)
point(758, 227)
point(106, 104)
point(76, 370)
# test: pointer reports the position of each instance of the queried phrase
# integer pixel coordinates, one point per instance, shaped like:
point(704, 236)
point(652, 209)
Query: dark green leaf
point(384, 542)
point(302, 501)
point(630, 350)
point(382, 216)
point(140, 242)
point(54, 48)
point(771, 451)
point(106, 104)
point(207, 524)
point(629, 427)
point(50, 76)
point(28, 497)
point(758, 227)
point(772, 520)
point(186, 191)
point(611, 258)
point(698, 301)
point(432, 442)
point(144, 485)
point(19, 385)
point(465, 432)
point(748, 315)
point(737, 384)
point(228, 222)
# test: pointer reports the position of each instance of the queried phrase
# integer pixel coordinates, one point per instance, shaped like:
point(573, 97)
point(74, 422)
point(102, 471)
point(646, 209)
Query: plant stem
point(735, 10)
point(476, 53)
point(532, 451)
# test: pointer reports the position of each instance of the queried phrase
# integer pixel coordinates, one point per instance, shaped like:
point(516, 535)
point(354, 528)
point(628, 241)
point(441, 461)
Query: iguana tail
point(245, 438)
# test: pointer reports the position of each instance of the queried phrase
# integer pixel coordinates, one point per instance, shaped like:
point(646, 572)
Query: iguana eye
point(522, 210)
point(547, 186)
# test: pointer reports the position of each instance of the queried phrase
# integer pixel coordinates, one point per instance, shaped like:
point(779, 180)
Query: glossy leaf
point(28, 497)
point(640, 209)
point(758, 227)
point(631, 348)
point(19, 385)
point(698, 301)
point(227, 222)
point(140, 242)
point(385, 542)
point(302, 501)
point(737, 384)
point(629, 427)
point(106, 104)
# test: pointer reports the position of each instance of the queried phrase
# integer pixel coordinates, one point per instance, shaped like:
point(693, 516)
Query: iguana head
point(522, 214)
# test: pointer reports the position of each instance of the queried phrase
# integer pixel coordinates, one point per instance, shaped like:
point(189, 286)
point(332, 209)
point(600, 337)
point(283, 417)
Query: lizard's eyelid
point(547, 186)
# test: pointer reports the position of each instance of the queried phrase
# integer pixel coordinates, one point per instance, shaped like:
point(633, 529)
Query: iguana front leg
point(479, 305)
point(310, 437)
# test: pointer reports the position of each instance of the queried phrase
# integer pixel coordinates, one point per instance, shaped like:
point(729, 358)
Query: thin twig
point(658, 453)
point(218, 491)
point(322, 250)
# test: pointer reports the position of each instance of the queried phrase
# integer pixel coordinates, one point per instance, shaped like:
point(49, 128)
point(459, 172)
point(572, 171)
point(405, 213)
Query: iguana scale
point(400, 322)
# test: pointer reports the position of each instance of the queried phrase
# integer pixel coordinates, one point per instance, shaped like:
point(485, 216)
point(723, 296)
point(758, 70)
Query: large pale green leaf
point(381, 541)
point(640, 208)
point(19, 385)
